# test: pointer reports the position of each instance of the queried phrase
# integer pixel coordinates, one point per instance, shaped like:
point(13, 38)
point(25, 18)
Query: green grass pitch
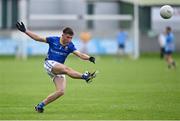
point(124, 89)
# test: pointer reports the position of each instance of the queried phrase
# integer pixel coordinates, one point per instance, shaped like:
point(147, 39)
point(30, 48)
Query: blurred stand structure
point(102, 18)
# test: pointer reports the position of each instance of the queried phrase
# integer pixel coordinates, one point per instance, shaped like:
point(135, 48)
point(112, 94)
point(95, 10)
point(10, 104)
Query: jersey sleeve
point(72, 48)
point(51, 39)
point(48, 39)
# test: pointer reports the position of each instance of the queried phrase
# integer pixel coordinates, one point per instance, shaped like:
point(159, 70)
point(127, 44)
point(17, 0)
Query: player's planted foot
point(39, 108)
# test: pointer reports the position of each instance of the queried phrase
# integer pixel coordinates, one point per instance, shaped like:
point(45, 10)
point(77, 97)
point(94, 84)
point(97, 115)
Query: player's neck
point(61, 41)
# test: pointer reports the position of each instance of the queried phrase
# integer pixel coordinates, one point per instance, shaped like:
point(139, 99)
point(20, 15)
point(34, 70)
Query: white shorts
point(48, 65)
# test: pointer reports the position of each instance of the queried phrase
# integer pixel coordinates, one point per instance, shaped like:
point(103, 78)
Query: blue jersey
point(122, 36)
point(57, 51)
point(169, 46)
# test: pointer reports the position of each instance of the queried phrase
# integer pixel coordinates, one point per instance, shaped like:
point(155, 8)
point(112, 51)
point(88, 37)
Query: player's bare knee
point(66, 70)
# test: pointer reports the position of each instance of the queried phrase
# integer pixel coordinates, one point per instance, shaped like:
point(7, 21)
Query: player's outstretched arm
point(21, 27)
point(84, 56)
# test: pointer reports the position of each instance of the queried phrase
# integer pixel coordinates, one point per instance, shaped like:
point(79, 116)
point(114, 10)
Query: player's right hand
point(92, 59)
point(21, 27)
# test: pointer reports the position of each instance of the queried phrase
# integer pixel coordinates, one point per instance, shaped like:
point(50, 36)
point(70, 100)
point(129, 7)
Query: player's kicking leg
point(62, 69)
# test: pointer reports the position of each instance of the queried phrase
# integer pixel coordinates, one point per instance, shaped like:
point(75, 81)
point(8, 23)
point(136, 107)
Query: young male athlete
point(59, 49)
point(169, 48)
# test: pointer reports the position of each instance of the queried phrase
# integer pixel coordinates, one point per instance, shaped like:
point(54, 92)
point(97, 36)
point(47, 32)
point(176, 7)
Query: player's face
point(66, 38)
point(168, 31)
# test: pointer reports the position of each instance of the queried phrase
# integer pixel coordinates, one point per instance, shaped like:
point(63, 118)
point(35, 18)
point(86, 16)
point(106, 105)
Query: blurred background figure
point(169, 48)
point(85, 38)
point(121, 39)
point(162, 42)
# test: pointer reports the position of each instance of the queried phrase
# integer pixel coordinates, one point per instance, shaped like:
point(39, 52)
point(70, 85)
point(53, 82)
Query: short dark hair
point(68, 30)
point(168, 28)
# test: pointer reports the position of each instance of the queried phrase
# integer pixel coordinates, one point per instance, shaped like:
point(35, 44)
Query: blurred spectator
point(162, 42)
point(85, 38)
point(121, 39)
point(169, 47)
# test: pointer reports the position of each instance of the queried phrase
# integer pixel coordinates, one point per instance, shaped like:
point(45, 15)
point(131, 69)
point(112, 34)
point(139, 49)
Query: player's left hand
point(92, 59)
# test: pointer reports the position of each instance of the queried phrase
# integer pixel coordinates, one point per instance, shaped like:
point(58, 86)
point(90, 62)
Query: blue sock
point(84, 76)
point(41, 104)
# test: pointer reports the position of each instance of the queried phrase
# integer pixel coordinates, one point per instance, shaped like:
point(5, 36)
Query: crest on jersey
point(66, 47)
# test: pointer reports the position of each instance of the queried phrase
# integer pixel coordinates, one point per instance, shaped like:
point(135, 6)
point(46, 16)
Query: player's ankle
point(85, 76)
point(42, 104)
